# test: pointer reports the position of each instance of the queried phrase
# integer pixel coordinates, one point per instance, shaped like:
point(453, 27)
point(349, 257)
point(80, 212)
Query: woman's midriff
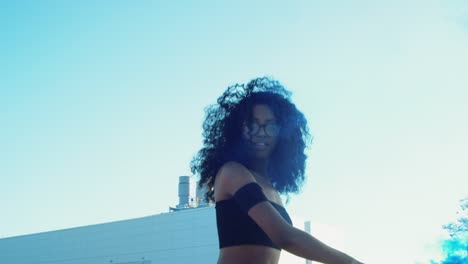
point(249, 254)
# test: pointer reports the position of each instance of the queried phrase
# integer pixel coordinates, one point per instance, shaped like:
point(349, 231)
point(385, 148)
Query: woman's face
point(261, 133)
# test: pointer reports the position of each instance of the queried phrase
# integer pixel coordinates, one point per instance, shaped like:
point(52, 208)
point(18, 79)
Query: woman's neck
point(259, 167)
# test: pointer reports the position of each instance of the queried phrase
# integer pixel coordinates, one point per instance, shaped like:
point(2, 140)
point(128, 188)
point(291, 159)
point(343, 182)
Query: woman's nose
point(262, 131)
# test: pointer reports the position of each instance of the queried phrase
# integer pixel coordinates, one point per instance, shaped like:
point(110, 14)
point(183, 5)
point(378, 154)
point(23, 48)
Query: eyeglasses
point(271, 129)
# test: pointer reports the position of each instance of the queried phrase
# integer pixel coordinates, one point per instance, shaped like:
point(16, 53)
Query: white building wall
point(182, 237)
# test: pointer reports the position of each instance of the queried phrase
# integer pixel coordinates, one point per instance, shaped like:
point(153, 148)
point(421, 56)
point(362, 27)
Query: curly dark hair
point(223, 142)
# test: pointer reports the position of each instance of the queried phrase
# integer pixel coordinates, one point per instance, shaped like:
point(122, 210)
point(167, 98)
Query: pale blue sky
point(101, 108)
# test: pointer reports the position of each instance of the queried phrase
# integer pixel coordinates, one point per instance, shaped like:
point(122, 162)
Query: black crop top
point(237, 228)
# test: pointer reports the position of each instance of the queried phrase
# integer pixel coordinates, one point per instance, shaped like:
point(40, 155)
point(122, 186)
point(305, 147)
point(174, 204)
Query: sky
point(101, 106)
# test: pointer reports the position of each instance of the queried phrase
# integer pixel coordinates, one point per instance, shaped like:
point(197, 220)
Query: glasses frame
point(264, 126)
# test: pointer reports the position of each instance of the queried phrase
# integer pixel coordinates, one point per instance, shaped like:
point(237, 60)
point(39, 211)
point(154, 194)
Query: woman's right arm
point(233, 177)
point(304, 245)
point(294, 240)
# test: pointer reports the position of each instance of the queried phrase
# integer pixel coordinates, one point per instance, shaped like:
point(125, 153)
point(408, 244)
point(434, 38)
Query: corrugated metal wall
point(181, 237)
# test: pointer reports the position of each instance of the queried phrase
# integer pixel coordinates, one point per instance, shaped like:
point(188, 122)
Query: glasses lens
point(272, 129)
point(254, 128)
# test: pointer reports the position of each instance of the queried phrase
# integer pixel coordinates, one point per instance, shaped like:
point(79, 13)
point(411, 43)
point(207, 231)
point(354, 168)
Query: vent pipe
point(184, 191)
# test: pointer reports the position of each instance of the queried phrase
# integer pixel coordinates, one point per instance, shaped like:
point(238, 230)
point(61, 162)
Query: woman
point(254, 142)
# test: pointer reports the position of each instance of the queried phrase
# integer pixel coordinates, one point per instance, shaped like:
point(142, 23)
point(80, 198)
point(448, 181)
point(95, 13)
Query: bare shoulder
point(231, 176)
point(233, 171)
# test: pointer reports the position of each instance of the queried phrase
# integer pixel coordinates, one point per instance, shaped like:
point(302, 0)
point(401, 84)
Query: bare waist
point(249, 254)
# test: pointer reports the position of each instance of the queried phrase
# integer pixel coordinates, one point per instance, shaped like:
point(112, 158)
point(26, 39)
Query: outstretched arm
point(307, 246)
point(294, 240)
